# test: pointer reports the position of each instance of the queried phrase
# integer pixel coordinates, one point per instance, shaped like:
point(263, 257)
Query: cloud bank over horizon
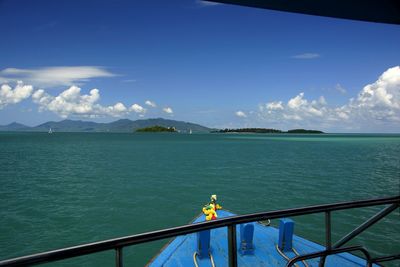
point(72, 102)
point(375, 107)
point(376, 104)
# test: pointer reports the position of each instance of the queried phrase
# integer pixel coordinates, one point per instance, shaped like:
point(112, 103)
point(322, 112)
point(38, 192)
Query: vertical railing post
point(232, 249)
point(328, 237)
point(118, 257)
point(328, 230)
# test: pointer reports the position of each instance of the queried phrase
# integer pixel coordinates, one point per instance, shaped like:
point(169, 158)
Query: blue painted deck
point(179, 252)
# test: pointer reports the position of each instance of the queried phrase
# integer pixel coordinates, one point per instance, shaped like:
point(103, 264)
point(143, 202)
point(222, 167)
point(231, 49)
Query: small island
point(267, 130)
point(303, 131)
point(249, 130)
point(156, 129)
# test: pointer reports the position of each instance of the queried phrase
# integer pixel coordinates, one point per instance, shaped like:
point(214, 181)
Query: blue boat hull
point(180, 251)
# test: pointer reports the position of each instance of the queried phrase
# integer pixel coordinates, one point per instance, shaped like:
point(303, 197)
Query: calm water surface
point(69, 188)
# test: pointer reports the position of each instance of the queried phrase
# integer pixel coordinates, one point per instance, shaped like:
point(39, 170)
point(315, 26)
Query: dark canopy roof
point(385, 11)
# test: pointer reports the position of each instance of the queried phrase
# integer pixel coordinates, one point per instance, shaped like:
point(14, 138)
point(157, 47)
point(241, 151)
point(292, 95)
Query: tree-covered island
point(303, 131)
point(266, 130)
point(249, 130)
point(156, 129)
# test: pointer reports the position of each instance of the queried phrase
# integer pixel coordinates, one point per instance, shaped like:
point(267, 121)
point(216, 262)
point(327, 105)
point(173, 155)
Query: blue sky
point(217, 65)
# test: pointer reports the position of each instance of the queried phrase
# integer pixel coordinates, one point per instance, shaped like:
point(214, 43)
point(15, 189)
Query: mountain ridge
point(14, 126)
point(118, 126)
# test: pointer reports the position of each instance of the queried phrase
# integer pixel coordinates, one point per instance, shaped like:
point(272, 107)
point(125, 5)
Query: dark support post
point(118, 257)
point(365, 225)
point(232, 250)
point(328, 230)
point(328, 237)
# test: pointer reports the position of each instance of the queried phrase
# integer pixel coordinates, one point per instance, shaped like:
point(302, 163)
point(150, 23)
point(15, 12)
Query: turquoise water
point(66, 189)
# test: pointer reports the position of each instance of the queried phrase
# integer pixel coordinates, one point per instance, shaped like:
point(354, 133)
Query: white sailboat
point(50, 131)
point(190, 131)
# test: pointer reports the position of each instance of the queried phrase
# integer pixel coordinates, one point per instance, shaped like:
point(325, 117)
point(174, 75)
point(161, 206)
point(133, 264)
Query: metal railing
point(230, 222)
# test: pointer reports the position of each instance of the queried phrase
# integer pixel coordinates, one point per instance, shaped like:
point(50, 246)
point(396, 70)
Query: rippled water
point(69, 188)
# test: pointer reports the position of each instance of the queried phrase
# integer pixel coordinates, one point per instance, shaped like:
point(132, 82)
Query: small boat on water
point(50, 131)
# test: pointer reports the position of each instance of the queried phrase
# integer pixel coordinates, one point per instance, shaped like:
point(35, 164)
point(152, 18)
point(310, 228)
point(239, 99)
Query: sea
point(64, 189)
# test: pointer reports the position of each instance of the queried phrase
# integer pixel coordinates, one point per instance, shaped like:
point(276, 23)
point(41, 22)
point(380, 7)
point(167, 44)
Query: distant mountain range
point(119, 126)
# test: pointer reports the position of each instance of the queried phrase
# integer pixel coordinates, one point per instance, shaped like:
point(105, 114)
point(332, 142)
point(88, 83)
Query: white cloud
point(307, 56)
point(129, 81)
point(240, 114)
point(297, 109)
point(137, 108)
point(376, 104)
point(54, 76)
point(72, 102)
point(117, 110)
point(379, 100)
point(14, 96)
point(322, 100)
point(151, 103)
point(203, 3)
point(168, 110)
point(297, 102)
point(385, 92)
point(340, 89)
point(274, 105)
